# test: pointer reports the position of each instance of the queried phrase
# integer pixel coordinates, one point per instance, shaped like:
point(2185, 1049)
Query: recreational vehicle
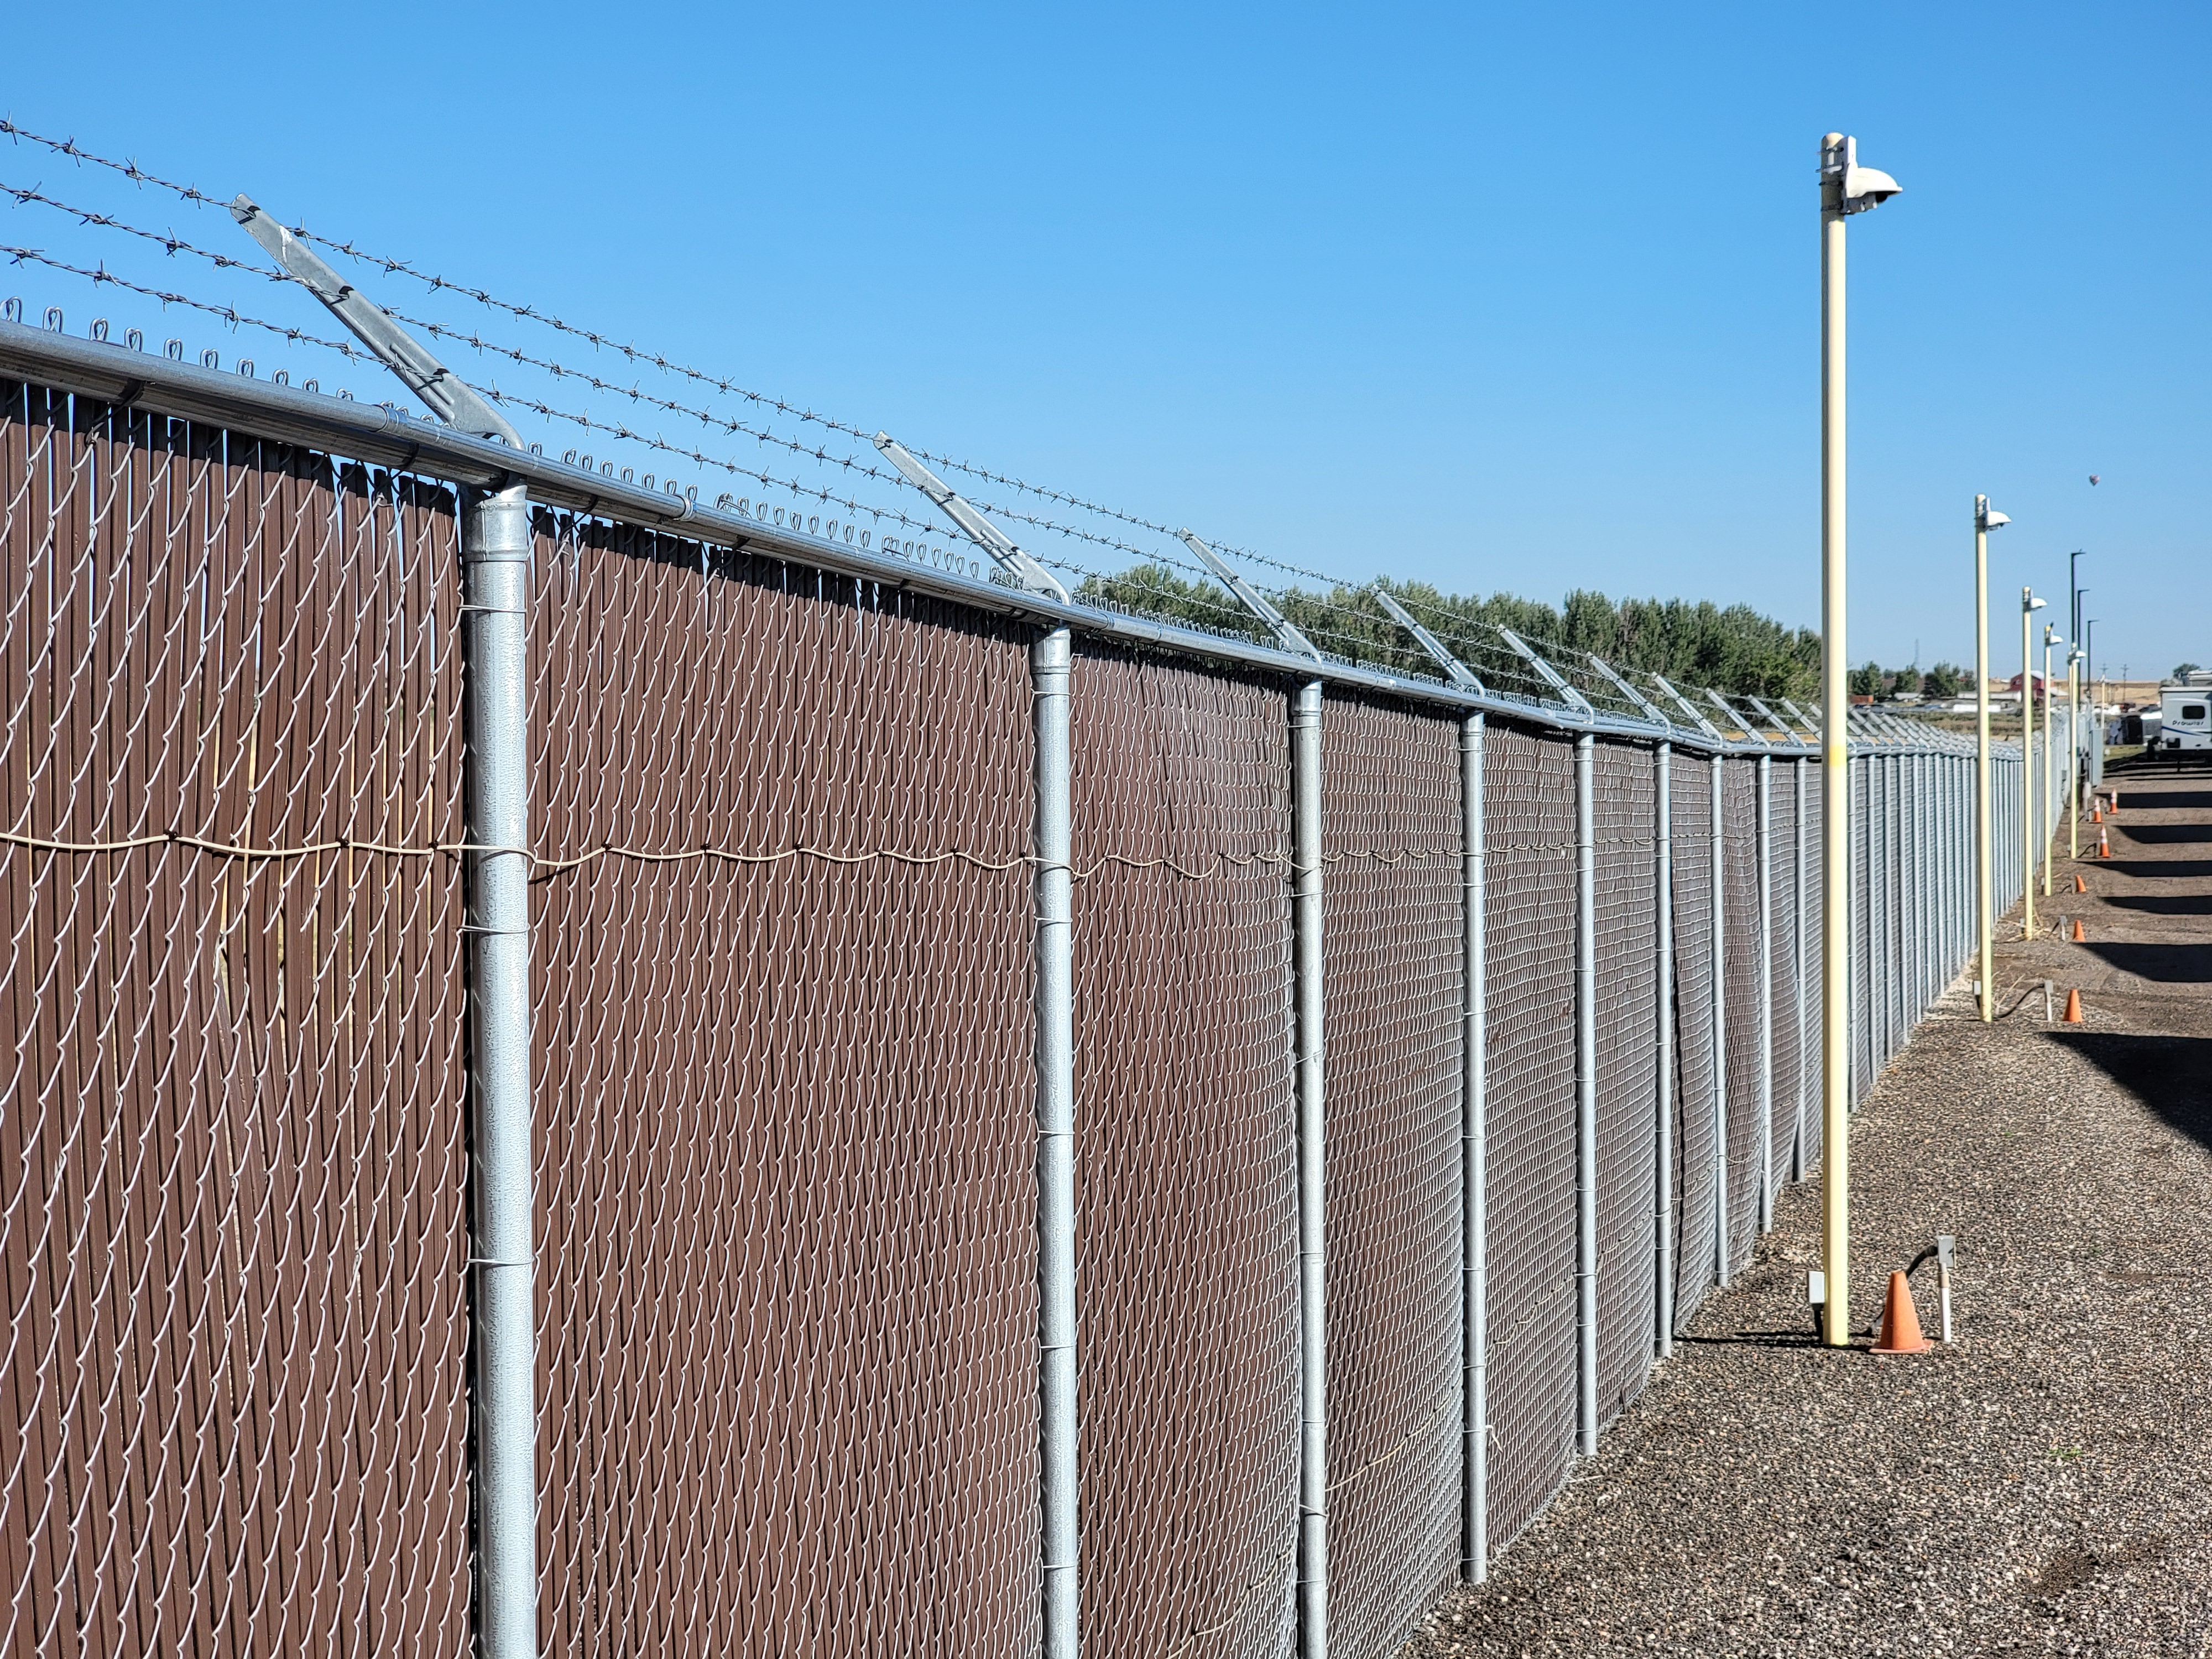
point(2185, 726)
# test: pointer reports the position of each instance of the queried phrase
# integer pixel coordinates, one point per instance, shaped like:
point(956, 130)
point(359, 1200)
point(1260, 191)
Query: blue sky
point(1501, 299)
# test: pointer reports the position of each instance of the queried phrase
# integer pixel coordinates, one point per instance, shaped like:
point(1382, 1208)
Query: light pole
point(2043, 838)
point(2029, 604)
point(1985, 521)
point(1846, 188)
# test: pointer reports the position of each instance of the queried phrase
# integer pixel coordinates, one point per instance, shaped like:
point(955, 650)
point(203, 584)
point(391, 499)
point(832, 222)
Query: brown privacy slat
point(1695, 1211)
point(787, 1148)
point(1624, 817)
point(1186, 1219)
point(1787, 1045)
point(1813, 952)
point(184, 1380)
point(1392, 912)
point(1528, 815)
point(1740, 881)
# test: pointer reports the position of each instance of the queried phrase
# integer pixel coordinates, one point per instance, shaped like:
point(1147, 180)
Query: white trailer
point(2185, 726)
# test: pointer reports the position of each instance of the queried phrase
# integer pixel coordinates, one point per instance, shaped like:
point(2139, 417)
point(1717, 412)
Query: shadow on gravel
point(2170, 1075)
point(2154, 869)
point(2163, 904)
point(2164, 835)
point(2170, 964)
point(1755, 1340)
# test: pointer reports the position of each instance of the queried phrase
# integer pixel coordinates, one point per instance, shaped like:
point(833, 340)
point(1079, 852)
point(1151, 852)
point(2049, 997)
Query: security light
point(1859, 188)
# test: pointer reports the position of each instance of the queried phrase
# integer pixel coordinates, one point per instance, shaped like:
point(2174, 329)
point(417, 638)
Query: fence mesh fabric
point(1394, 910)
point(1863, 991)
point(1745, 1057)
point(1528, 827)
point(1625, 815)
point(1186, 1144)
point(786, 1147)
point(785, 1100)
point(1695, 1212)
point(231, 1219)
point(1813, 952)
point(1785, 1043)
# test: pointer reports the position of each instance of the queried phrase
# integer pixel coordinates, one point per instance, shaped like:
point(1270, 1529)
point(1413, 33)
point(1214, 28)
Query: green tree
point(1868, 681)
point(1940, 680)
point(1734, 649)
point(2182, 671)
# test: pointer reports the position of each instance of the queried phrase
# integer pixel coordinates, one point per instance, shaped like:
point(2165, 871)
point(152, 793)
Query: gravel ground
point(2042, 1485)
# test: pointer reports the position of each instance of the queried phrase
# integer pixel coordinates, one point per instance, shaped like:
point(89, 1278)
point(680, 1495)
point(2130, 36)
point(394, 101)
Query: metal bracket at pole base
point(1023, 569)
point(450, 397)
point(1253, 600)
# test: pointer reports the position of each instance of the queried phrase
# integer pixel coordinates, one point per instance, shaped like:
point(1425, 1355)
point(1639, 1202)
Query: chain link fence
point(790, 1003)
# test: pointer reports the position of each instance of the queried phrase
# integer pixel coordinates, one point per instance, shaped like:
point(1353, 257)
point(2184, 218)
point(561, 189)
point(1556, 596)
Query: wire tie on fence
point(487, 1261)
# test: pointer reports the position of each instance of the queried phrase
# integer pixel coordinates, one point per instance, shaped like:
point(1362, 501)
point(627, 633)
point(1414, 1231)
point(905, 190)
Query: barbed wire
point(1452, 628)
point(230, 314)
point(174, 244)
point(632, 352)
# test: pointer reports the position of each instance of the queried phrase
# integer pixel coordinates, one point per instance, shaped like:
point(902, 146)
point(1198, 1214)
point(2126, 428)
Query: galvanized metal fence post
point(1059, 1493)
point(1662, 1216)
point(1475, 1174)
point(1313, 1190)
point(496, 550)
point(1718, 970)
point(1765, 994)
point(1586, 1170)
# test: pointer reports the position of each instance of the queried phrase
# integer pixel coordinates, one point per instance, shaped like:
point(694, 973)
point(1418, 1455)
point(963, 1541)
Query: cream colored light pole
point(1846, 188)
point(2043, 845)
point(1984, 850)
point(2029, 604)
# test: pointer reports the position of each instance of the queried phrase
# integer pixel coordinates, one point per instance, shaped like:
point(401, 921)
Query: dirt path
point(2044, 1485)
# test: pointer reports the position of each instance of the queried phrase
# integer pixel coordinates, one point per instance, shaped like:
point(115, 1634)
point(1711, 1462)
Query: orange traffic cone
point(2097, 813)
point(2080, 885)
point(2103, 845)
point(2079, 938)
point(2073, 1016)
point(2115, 802)
point(1900, 1321)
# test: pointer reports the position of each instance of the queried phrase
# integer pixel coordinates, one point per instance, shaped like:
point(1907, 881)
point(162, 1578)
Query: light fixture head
point(2034, 603)
point(1987, 517)
point(1857, 188)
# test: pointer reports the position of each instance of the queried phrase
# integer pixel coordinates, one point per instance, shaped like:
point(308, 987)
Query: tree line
point(1734, 649)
